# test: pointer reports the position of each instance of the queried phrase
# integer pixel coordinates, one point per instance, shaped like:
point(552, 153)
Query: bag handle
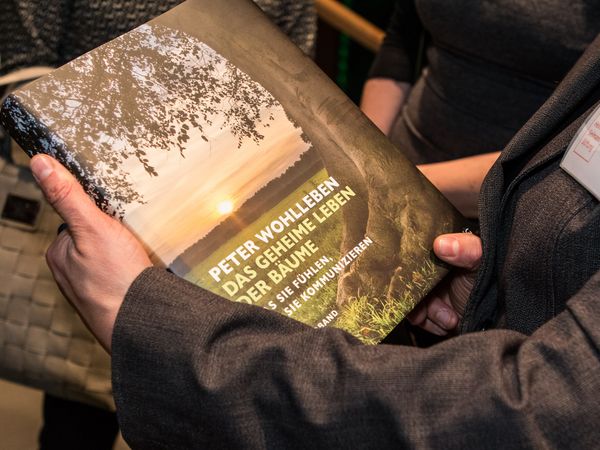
point(20, 76)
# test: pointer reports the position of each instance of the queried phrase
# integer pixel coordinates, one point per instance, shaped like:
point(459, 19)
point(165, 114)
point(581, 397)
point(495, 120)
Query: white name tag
point(582, 159)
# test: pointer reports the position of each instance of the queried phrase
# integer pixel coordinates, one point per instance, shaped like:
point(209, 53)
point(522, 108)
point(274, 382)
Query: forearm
point(382, 99)
point(192, 370)
point(460, 179)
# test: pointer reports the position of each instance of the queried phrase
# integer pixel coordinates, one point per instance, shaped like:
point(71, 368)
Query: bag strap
point(20, 76)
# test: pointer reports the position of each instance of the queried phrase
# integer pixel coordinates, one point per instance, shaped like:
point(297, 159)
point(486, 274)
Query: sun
point(225, 207)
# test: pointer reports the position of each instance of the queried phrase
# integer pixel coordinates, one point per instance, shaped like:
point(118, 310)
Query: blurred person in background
point(458, 78)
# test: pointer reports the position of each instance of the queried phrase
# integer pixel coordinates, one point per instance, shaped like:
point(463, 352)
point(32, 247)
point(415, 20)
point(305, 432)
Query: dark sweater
point(42, 32)
point(490, 66)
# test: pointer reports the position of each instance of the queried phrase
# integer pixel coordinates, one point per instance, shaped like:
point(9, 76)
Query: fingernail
point(445, 318)
point(41, 167)
point(447, 247)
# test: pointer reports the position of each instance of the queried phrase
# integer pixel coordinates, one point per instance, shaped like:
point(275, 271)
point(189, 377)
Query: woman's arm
point(382, 99)
point(393, 70)
point(191, 370)
point(460, 179)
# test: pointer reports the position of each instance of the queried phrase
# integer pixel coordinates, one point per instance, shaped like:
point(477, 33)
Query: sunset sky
point(183, 201)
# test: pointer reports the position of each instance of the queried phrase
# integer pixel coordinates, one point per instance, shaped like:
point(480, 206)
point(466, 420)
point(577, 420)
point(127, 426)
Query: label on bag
point(582, 158)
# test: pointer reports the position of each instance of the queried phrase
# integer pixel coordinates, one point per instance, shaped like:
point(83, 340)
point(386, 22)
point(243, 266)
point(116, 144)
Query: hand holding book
point(95, 262)
point(440, 312)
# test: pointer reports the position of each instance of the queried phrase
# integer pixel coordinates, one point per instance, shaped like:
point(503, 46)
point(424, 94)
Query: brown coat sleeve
point(191, 370)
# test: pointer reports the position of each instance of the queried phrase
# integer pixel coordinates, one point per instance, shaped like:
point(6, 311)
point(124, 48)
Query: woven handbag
point(43, 343)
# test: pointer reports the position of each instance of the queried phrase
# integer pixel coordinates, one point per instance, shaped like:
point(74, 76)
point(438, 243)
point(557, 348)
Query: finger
point(418, 315)
point(62, 227)
point(441, 314)
point(459, 249)
point(433, 328)
point(65, 287)
point(56, 257)
point(64, 193)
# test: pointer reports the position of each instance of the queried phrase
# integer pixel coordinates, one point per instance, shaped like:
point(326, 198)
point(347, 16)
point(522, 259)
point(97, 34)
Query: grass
point(370, 319)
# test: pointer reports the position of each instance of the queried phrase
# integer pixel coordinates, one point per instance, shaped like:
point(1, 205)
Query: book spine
point(29, 132)
point(34, 137)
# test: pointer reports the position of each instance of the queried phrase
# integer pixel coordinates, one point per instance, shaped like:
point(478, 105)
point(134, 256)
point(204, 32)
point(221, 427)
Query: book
point(242, 168)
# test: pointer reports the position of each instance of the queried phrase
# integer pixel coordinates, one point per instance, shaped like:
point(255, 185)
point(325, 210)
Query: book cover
point(242, 168)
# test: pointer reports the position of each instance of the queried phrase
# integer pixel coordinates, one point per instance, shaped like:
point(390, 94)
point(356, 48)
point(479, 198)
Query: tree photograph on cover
point(168, 124)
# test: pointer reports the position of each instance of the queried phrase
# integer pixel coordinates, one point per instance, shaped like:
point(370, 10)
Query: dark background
point(345, 61)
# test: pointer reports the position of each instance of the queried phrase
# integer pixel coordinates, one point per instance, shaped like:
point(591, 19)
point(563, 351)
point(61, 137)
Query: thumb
point(64, 193)
point(459, 249)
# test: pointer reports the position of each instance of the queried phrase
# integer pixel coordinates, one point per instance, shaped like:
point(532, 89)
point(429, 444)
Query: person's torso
point(491, 65)
point(541, 228)
point(548, 240)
